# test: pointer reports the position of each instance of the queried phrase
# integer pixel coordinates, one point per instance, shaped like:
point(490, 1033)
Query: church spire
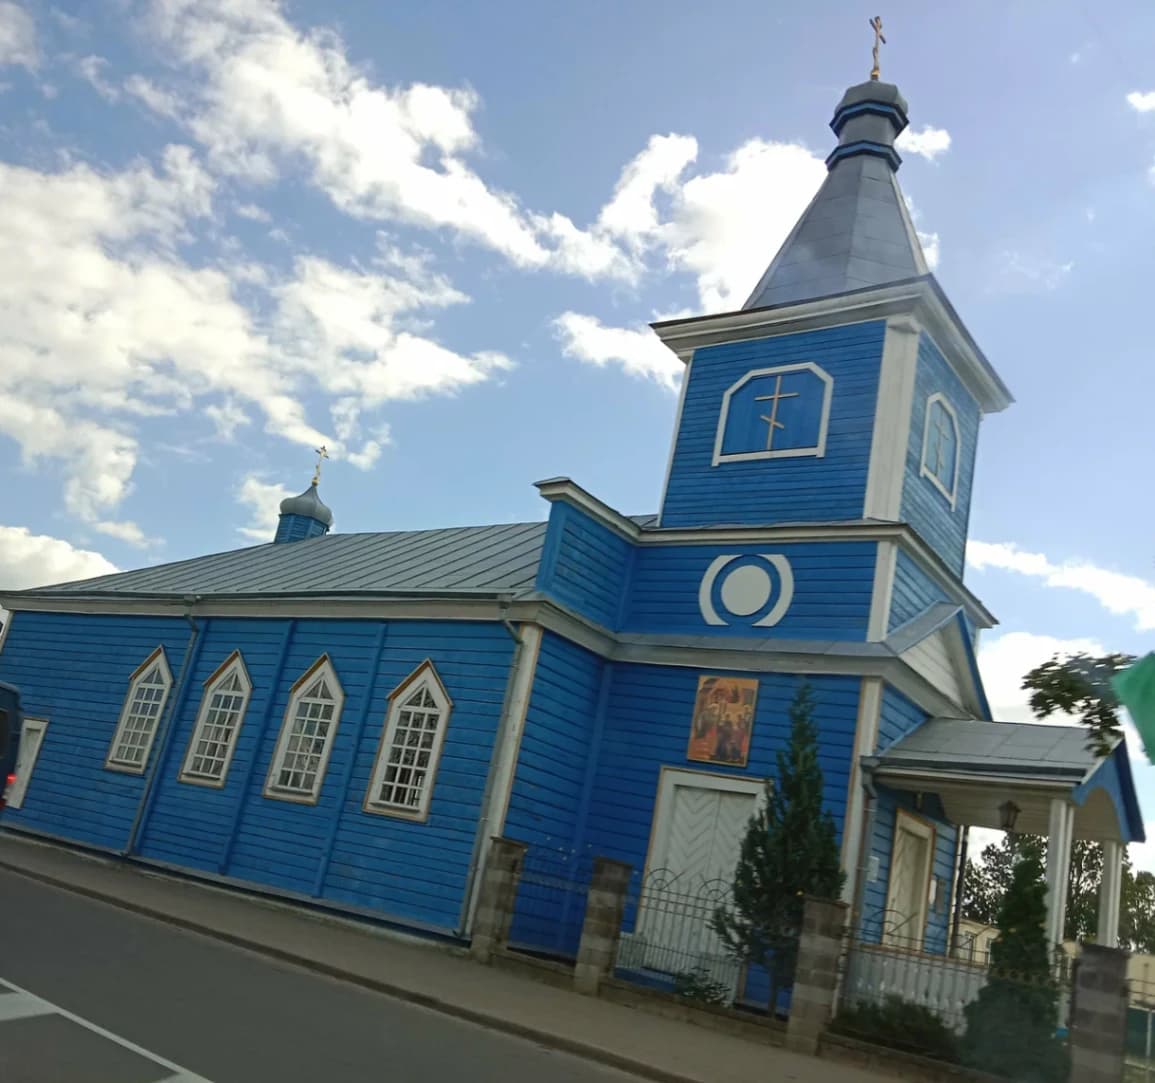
point(305, 516)
point(857, 231)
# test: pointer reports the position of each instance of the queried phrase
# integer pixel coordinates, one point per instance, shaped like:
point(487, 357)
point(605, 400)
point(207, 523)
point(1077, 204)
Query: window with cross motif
point(940, 446)
point(148, 690)
point(222, 711)
point(307, 734)
point(402, 779)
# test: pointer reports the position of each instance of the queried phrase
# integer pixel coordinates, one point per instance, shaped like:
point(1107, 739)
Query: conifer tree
point(1011, 1025)
point(790, 850)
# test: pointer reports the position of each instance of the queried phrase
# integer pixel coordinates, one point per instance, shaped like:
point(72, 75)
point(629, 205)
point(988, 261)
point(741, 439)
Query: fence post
point(1098, 1031)
point(498, 894)
point(602, 927)
point(816, 975)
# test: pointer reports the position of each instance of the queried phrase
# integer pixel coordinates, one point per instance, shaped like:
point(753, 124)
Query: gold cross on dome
point(876, 26)
point(322, 455)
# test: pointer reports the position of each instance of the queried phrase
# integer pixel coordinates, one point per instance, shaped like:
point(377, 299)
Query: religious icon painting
point(723, 721)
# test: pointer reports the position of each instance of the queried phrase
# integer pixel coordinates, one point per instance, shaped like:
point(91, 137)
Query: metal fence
point(884, 962)
point(551, 901)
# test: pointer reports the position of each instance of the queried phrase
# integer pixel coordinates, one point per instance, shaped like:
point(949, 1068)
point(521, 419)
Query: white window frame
point(321, 669)
point(235, 663)
point(424, 676)
point(116, 762)
point(938, 398)
point(14, 797)
point(814, 451)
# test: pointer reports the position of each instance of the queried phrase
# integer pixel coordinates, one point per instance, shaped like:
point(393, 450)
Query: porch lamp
point(1008, 815)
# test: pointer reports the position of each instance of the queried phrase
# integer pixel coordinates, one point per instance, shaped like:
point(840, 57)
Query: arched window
point(940, 446)
point(222, 711)
point(402, 779)
point(148, 690)
point(307, 733)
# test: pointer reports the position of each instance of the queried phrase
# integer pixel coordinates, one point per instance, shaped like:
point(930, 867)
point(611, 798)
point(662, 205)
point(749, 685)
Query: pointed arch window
point(307, 734)
point(222, 711)
point(148, 691)
point(402, 779)
point(940, 446)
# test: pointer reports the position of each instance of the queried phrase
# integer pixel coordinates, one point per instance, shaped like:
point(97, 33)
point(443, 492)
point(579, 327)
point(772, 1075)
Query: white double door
point(699, 823)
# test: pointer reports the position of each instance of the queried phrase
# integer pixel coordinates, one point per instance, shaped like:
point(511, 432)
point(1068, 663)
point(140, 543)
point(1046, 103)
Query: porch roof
point(974, 767)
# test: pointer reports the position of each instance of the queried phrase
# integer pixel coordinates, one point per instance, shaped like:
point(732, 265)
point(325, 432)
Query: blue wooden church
point(350, 718)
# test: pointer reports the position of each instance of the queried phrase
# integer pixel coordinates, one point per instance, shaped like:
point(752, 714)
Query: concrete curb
point(398, 992)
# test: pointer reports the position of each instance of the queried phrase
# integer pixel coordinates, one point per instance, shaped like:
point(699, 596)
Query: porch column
point(1110, 894)
point(1062, 822)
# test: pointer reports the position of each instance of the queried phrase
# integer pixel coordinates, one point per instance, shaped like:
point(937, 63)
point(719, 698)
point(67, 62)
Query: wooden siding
point(942, 867)
point(556, 745)
point(585, 565)
point(914, 591)
point(832, 591)
point(647, 726)
point(923, 505)
point(932, 660)
point(778, 490)
point(74, 671)
point(898, 717)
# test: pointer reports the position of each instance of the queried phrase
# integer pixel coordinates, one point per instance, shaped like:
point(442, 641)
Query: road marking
point(26, 1005)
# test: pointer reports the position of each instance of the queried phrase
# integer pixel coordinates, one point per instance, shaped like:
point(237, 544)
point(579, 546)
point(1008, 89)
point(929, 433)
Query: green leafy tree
point(1011, 1024)
point(987, 881)
point(1080, 685)
point(789, 851)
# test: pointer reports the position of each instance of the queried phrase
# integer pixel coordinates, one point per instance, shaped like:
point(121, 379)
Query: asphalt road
point(93, 994)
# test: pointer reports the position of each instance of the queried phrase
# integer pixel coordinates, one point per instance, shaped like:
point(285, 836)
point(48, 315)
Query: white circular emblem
point(751, 589)
point(746, 590)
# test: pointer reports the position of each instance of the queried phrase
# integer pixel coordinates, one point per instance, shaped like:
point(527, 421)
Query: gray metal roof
point(500, 559)
point(1019, 748)
point(857, 232)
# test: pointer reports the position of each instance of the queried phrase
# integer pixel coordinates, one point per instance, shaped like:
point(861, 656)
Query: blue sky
point(432, 235)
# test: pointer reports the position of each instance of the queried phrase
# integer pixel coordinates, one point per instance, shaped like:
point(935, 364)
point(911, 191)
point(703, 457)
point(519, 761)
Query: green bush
point(899, 1024)
point(697, 985)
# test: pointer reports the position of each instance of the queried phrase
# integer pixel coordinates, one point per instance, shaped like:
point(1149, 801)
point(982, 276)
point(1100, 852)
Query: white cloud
point(636, 349)
point(1142, 102)
point(162, 102)
point(125, 531)
point(929, 142)
point(632, 213)
point(1022, 272)
point(92, 69)
point(36, 560)
point(726, 226)
point(1121, 594)
point(263, 500)
point(102, 322)
point(18, 45)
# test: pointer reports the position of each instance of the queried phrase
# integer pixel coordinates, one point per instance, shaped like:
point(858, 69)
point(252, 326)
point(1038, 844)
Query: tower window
point(940, 446)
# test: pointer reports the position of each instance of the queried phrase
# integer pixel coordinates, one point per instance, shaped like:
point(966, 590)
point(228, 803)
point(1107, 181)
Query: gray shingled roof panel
point(495, 559)
point(1024, 747)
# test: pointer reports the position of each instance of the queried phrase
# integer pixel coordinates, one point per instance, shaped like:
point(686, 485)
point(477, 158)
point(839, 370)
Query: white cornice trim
point(891, 438)
point(569, 492)
point(919, 297)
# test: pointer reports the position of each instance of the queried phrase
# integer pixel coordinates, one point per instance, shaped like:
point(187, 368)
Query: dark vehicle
point(10, 726)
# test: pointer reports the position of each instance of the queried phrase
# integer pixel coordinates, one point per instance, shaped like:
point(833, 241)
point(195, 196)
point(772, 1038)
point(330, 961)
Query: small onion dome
point(309, 505)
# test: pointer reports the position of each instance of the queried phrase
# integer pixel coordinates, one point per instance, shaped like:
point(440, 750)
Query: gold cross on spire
point(876, 25)
point(322, 455)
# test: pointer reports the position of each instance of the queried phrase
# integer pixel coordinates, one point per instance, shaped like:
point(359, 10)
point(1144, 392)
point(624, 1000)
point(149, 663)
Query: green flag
point(1135, 688)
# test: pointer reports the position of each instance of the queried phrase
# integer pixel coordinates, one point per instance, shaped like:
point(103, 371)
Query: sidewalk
point(435, 976)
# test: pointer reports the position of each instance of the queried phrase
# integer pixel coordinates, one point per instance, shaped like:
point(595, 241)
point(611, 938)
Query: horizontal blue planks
point(763, 491)
point(897, 717)
point(585, 565)
point(914, 591)
point(874, 912)
point(923, 505)
point(647, 727)
point(74, 671)
point(832, 591)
